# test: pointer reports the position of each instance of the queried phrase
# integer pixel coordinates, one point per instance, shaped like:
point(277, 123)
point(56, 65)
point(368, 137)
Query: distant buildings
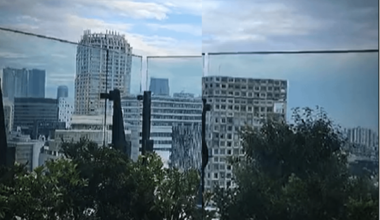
point(8, 114)
point(86, 126)
point(15, 83)
point(26, 151)
point(22, 83)
point(91, 73)
point(364, 141)
point(65, 110)
point(159, 86)
point(166, 112)
point(236, 102)
point(36, 83)
point(62, 92)
point(36, 116)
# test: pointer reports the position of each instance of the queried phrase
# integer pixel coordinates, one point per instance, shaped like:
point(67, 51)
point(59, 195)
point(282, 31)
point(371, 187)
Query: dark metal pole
point(3, 137)
point(105, 102)
point(205, 154)
point(146, 116)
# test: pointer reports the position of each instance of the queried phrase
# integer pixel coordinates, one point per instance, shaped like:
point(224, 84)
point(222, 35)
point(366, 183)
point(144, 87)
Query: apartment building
point(236, 102)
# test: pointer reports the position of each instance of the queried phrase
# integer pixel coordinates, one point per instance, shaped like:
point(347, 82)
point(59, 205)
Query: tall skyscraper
point(36, 83)
point(236, 102)
point(91, 73)
point(15, 83)
point(62, 92)
point(159, 86)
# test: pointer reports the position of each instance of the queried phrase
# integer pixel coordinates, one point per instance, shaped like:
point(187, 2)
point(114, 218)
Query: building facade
point(35, 116)
point(165, 112)
point(26, 150)
point(363, 141)
point(15, 83)
point(186, 147)
point(89, 127)
point(36, 83)
point(65, 110)
point(21, 83)
point(92, 77)
point(236, 102)
point(8, 114)
point(159, 86)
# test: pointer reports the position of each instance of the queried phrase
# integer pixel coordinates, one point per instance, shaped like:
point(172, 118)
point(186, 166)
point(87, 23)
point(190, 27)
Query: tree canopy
point(296, 171)
point(98, 183)
point(292, 171)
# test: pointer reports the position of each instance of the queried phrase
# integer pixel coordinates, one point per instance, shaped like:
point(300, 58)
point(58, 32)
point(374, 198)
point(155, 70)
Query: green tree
point(98, 183)
point(38, 195)
point(296, 171)
point(131, 190)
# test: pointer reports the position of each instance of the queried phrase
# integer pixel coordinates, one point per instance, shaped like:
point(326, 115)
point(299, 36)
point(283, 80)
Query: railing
point(344, 83)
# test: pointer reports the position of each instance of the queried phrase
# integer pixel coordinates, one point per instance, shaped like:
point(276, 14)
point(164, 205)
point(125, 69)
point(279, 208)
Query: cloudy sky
point(345, 84)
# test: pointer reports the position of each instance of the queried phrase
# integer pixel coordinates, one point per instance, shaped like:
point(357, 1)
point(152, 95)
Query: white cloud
point(255, 23)
point(193, 7)
point(294, 25)
point(195, 30)
point(131, 9)
point(68, 20)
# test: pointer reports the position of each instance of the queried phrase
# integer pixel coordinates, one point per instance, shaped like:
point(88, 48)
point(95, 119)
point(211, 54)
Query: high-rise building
point(8, 114)
point(66, 110)
point(15, 83)
point(165, 112)
point(36, 116)
point(21, 83)
point(236, 102)
point(159, 86)
point(92, 77)
point(36, 83)
point(62, 92)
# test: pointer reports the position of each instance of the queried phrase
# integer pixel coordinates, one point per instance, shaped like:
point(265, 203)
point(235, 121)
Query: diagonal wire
point(50, 38)
point(211, 53)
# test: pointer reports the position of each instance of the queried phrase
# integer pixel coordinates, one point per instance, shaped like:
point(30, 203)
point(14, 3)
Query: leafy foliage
point(296, 171)
point(98, 183)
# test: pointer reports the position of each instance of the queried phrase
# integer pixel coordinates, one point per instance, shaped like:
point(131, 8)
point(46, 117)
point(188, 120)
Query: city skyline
point(189, 28)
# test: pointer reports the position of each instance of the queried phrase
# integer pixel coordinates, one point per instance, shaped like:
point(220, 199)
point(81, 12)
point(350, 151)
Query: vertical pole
point(3, 138)
point(146, 122)
point(105, 103)
point(205, 153)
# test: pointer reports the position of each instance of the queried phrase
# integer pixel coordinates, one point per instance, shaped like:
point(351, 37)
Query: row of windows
point(166, 142)
point(245, 94)
point(243, 87)
point(243, 108)
point(176, 105)
point(244, 80)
